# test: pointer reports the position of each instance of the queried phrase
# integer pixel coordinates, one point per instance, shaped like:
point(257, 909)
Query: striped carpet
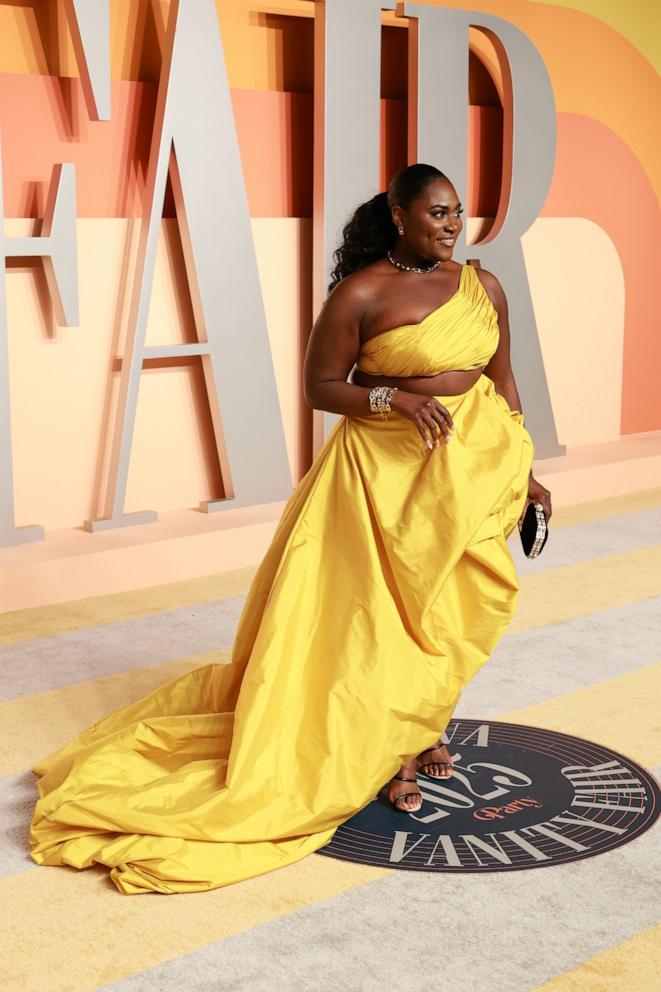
point(583, 656)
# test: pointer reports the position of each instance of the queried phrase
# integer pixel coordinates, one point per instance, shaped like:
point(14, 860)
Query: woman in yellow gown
point(387, 585)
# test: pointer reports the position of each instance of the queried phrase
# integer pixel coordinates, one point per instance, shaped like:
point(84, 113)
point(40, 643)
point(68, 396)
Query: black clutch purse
point(533, 529)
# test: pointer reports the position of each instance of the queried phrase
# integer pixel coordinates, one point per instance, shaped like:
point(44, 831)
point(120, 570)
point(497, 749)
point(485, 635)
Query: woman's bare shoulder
point(358, 290)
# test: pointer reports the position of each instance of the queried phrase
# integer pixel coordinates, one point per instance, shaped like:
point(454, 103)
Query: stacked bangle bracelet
point(379, 398)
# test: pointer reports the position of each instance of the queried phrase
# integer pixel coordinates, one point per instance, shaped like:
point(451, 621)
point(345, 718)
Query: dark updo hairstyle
point(370, 231)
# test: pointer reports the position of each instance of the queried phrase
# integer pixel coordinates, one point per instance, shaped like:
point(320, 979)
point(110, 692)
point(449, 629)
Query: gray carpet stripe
point(46, 663)
point(18, 795)
point(539, 664)
point(580, 543)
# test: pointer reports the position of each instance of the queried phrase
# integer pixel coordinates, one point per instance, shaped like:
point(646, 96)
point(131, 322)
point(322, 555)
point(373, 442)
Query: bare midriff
point(449, 383)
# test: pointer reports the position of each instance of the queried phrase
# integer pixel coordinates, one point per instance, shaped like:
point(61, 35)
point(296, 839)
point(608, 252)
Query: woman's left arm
point(499, 370)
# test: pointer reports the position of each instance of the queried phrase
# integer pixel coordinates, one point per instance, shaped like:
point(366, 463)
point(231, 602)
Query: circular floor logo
point(520, 797)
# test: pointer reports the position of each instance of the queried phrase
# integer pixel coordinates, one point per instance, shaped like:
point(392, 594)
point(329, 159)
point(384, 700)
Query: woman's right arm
point(332, 351)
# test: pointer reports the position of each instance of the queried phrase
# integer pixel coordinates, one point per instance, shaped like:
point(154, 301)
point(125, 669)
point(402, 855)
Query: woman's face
point(432, 223)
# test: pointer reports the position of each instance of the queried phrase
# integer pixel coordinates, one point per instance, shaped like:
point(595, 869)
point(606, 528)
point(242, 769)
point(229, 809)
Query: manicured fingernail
point(429, 444)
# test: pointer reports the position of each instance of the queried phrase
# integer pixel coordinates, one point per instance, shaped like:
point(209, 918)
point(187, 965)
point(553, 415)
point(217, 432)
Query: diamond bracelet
point(379, 398)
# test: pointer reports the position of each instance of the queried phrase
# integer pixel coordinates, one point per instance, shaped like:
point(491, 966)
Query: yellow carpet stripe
point(587, 587)
point(602, 509)
point(633, 966)
point(108, 936)
point(33, 726)
point(57, 618)
point(622, 713)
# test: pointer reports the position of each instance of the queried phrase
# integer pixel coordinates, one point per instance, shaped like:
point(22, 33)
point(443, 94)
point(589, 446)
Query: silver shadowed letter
point(347, 117)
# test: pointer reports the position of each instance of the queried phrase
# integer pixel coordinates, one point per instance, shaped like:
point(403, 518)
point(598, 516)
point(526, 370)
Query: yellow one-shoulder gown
point(387, 585)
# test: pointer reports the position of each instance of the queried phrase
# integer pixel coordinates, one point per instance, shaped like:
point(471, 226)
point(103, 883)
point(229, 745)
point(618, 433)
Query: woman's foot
point(403, 791)
point(436, 761)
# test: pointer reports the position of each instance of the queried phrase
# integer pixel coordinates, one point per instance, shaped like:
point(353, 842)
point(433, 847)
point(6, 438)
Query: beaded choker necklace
point(411, 268)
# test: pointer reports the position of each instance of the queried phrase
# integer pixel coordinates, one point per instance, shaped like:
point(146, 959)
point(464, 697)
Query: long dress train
point(387, 585)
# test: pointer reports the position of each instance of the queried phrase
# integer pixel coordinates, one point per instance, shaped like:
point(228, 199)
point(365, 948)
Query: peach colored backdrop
point(597, 237)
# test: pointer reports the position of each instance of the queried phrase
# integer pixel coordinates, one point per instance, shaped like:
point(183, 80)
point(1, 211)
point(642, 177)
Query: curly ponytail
point(370, 231)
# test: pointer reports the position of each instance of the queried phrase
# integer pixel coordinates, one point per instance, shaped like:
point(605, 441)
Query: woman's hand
point(537, 493)
point(430, 417)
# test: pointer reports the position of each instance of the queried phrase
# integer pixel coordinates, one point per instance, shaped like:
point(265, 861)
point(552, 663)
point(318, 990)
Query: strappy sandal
point(403, 795)
point(421, 766)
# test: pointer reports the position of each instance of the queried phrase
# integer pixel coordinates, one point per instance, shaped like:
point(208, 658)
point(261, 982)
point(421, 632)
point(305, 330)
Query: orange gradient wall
point(592, 256)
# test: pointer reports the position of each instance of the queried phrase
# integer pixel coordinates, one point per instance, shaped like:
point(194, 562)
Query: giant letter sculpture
point(194, 133)
point(57, 243)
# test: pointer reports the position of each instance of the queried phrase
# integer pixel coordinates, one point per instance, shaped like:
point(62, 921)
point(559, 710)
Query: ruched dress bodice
point(460, 334)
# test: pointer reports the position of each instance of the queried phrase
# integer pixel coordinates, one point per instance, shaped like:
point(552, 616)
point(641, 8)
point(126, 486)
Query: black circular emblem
point(520, 797)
